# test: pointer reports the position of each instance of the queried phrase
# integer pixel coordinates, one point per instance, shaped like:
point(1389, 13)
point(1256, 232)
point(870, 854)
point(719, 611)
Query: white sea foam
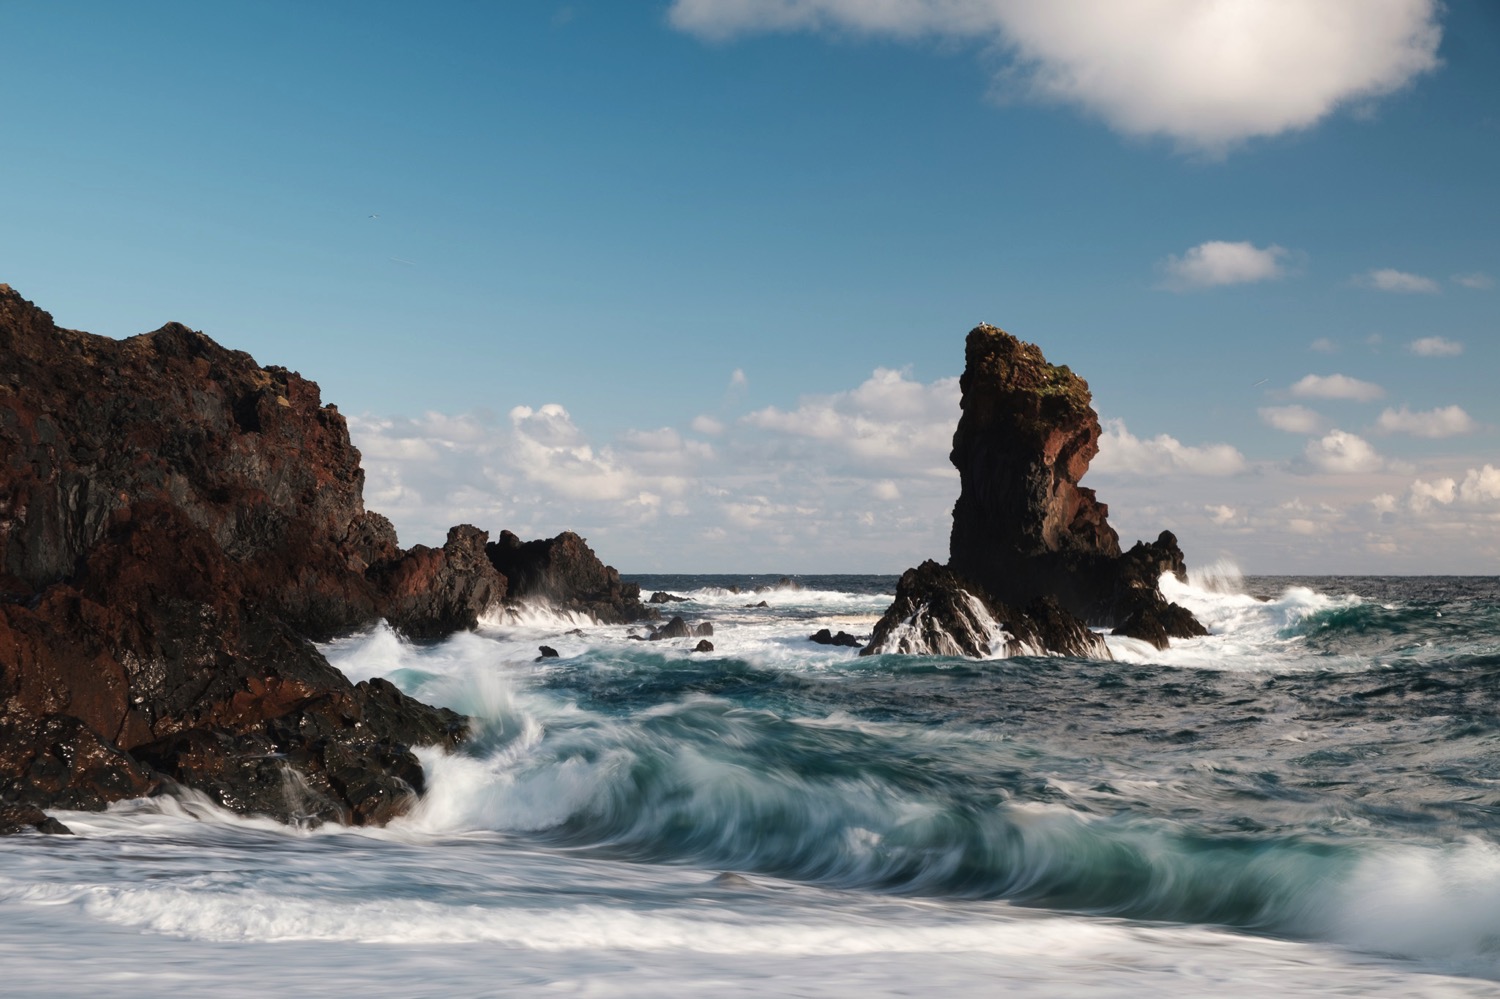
point(1245, 632)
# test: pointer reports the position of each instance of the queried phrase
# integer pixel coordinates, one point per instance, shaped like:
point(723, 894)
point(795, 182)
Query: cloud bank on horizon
point(1207, 75)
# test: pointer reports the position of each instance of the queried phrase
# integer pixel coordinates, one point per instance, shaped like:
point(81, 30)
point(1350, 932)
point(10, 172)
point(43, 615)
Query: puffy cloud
point(886, 490)
point(1336, 387)
point(1207, 75)
point(1342, 453)
point(1424, 494)
point(1478, 489)
point(1123, 453)
point(1292, 419)
point(1215, 263)
point(707, 425)
point(1474, 280)
point(1435, 346)
point(888, 418)
point(1448, 421)
point(1221, 514)
point(1324, 345)
point(1389, 279)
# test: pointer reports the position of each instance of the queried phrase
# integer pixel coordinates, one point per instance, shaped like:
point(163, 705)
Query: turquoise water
point(1303, 801)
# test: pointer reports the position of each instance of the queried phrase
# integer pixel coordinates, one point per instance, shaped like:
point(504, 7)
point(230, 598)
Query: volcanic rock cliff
point(177, 526)
point(1032, 559)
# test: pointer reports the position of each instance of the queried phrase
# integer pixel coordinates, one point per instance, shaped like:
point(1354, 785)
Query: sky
point(692, 277)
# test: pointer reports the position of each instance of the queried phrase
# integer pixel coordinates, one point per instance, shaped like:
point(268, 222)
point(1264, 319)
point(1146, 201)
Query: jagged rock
point(704, 645)
point(825, 637)
point(660, 597)
point(433, 592)
point(565, 573)
point(1030, 547)
point(17, 817)
point(175, 523)
point(675, 628)
point(703, 628)
point(938, 613)
point(547, 652)
point(757, 606)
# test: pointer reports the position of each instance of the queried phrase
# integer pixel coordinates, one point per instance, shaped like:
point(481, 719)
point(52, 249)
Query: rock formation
point(177, 526)
point(565, 573)
point(1032, 558)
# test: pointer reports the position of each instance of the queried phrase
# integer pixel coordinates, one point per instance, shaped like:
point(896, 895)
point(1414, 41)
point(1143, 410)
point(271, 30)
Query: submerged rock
point(660, 597)
point(825, 637)
point(1032, 558)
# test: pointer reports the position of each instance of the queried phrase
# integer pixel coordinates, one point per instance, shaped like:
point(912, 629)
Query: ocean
point(1302, 803)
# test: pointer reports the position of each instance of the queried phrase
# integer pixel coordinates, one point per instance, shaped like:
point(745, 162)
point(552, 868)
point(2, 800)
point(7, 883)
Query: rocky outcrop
point(176, 523)
point(432, 592)
point(825, 637)
point(679, 628)
point(1032, 558)
point(564, 573)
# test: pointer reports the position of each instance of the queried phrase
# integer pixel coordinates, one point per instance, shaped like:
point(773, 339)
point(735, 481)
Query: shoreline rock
point(178, 525)
point(1033, 561)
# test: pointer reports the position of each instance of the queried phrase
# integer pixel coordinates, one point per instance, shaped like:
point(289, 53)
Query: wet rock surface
point(178, 525)
point(564, 573)
point(1031, 550)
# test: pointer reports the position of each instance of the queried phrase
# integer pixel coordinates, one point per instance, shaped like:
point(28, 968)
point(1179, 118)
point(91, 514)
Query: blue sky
point(693, 277)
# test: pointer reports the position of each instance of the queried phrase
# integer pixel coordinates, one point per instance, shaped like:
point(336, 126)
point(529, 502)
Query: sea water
point(1302, 803)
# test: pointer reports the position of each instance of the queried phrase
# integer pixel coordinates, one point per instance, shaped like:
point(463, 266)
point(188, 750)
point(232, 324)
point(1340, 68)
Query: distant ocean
point(1306, 802)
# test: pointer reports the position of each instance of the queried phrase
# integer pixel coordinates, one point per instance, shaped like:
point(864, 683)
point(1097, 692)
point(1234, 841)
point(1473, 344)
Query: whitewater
point(1303, 803)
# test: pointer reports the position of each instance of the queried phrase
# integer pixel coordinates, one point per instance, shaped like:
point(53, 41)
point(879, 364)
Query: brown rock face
point(1030, 548)
point(175, 523)
point(1026, 436)
point(565, 573)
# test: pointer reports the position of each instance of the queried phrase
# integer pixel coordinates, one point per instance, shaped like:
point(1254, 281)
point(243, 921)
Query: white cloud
point(1342, 453)
point(738, 379)
point(1292, 419)
point(1436, 346)
point(887, 419)
point(1474, 280)
point(1123, 453)
point(1389, 279)
point(1208, 75)
point(886, 490)
point(1424, 494)
point(707, 425)
point(1336, 387)
point(1478, 490)
point(1216, 263)
point(1221, 514)
point(1324, 345)
point(1448, 421)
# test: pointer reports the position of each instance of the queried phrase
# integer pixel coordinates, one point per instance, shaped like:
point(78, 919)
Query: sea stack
point(1032, 560)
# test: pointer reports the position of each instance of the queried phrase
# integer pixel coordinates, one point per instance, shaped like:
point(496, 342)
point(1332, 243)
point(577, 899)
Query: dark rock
point(704, 645)
point(565, 573)
point(938, 613)
point(756, 606)
point(825, 637)
point(702, 629)
point(15, 817)
point(176, 522)
point(1027, 538)
point(548, 652)
point(660, 597)
point(428, 593)
point(675, 628)
point(784, 583)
